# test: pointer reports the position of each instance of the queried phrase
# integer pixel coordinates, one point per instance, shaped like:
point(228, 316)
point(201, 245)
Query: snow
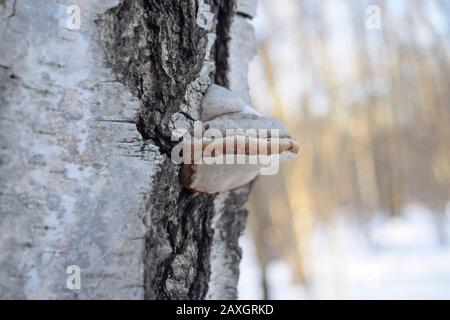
point(385, 258)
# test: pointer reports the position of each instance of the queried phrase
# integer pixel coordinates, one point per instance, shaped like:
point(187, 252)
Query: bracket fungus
point(232, 145)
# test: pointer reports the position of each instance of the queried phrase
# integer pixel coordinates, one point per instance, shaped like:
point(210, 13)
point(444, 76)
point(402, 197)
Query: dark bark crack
point(157, 49)
point(225, 12)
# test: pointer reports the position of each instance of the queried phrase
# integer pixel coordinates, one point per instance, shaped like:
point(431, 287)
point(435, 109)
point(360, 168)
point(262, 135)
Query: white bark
point(73, 170)
point(78, 184)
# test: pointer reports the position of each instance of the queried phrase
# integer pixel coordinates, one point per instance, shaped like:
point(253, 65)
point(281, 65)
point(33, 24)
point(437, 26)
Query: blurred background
point(364, 211)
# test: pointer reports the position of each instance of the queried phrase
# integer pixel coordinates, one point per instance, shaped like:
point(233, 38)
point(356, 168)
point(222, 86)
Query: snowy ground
point(398, 258)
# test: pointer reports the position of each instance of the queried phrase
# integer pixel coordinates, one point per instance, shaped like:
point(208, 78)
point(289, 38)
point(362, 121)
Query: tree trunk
point(88, 106)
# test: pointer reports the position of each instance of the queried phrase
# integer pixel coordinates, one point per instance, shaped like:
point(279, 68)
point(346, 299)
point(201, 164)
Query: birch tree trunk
point(90, 93)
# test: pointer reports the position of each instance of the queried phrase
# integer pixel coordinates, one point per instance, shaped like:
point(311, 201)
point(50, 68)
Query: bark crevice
point(158, 50)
